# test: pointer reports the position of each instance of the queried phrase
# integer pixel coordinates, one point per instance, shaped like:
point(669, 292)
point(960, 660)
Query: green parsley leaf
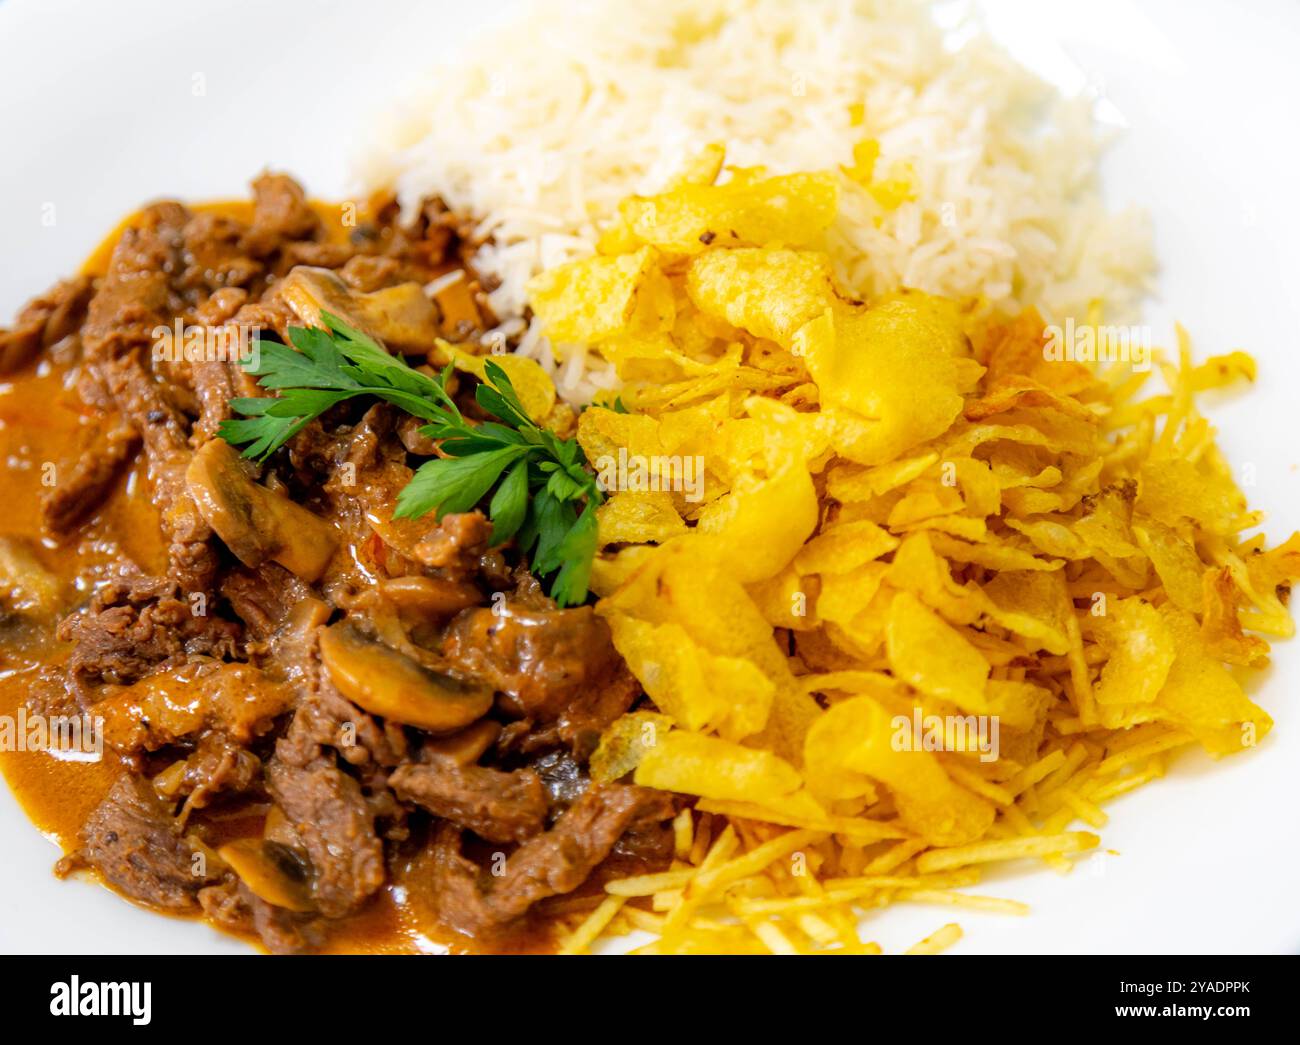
point(551, 520)
point(453, 484)
point(576, 552)
point(509, 503)
point(545, 497)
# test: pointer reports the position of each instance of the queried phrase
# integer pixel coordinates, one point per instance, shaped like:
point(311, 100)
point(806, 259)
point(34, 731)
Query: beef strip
point(222, 306)
point(233, 906)
point(549, 665)
point(284, 932)
point(263, 597)
point(366, 469)
point(214, 384)
point(326, 718)
point(134, 625)
point(327, 809)
point(550, 864)
point(317, 255)
point(540, 660)
point(366, 273)
point(217, 381)
point(213, 254)
point(587, 716)
point(226, 904)
point(280, 212)
point(83, 485)
point(164, 431)
point(134, 842)
point(43, 322)
point(217, 764)
point(455, 542)
point(496, 806)
point(136, 295)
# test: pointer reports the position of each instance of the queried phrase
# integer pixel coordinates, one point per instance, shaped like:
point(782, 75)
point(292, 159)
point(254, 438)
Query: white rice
point(546, 123)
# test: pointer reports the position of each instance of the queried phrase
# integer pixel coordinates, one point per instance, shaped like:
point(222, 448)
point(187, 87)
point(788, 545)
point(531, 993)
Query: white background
point(98, 114)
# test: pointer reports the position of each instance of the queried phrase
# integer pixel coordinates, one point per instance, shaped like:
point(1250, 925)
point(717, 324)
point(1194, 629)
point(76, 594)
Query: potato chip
point(887, 375)
point(702, 168)
point(1201, 696)
point(794, 210)
point(680, 584)
point(769, 293)
point(917, 569)
point(1013, 349)
point(876, 684)
point(849, 598)
point(625, 742)
point(1175, 561)
point(1051, 536)
point(1017, 705)
point(602, 433)
point(1000, 556)
point(759, 526)
point(980, 489)
point(857, 743)
point(693, 764)
point(1011, 394)
point(850, 482)
point(1034, 605)
point(925, 499)
point(930, 655)
point(589, 300)
point(1177, 490)
point(696, 688)
point(1140, 650)
point(843, 547)
point(534, 386)
point(609, 572)
point(1106, 525)
point(787, 600)
point(631, 517)
point(1221, 623)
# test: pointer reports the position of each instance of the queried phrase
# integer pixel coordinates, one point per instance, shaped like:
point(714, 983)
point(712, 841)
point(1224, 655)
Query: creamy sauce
point(43, 420)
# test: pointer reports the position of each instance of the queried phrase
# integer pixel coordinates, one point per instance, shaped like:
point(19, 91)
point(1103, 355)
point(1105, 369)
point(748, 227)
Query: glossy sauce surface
point(42, 420)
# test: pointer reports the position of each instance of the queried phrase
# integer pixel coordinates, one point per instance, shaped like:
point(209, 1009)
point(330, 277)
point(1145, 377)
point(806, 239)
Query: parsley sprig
point(541, 491)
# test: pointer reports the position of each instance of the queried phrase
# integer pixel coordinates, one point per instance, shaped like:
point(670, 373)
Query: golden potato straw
point(940, 940)
point(1009, 849)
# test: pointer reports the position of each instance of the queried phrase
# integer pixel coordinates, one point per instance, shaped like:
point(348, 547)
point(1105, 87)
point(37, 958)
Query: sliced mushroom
point(168, 783)
point(466, 747)
point(437, 598)
point(272, 872)
point(256, 523)
point(390, 684)
point(401, 316)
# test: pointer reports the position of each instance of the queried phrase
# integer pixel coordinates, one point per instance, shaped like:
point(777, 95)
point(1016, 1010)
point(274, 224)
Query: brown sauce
point(42, 420)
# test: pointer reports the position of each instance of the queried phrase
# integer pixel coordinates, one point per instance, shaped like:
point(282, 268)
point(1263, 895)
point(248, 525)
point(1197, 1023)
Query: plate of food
point(713, 477)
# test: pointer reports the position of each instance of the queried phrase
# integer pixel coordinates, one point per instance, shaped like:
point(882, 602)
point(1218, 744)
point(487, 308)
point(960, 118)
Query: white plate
point(106, 105)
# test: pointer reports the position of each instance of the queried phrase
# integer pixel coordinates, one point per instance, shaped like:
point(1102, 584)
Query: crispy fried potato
point(908, 507)
point(794, 209)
